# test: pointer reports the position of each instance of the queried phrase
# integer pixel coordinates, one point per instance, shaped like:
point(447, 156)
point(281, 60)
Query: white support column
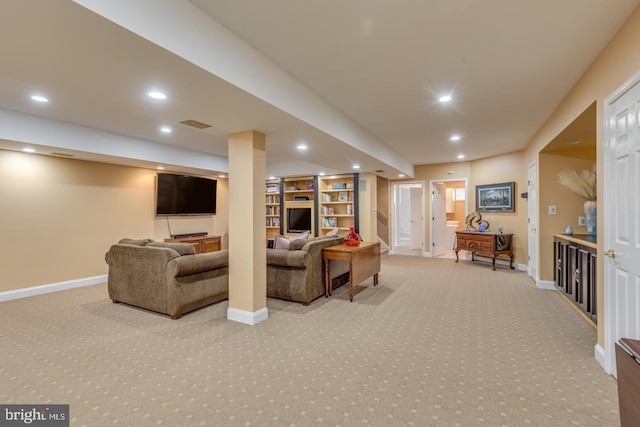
point(247, 233)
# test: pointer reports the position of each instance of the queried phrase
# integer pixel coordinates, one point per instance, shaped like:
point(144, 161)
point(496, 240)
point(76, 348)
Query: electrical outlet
point(552, 210)
point(582, 221)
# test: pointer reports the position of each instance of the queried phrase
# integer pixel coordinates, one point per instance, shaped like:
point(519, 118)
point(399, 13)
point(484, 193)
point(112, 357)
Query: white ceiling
point(358, 81)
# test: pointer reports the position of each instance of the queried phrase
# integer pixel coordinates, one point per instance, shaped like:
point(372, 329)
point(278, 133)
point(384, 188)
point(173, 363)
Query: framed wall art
point(495, 197)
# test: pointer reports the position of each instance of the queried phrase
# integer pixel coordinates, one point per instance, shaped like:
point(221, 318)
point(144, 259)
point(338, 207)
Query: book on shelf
point(326, 210)
point(339, 186)
point(271, 199)
point(273, 188)
point(273, 210)
point(327, 198)
point(329, 222)
point(273, 222)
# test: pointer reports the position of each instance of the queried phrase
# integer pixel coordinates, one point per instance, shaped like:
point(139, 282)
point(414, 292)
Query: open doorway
point(408, 219)
point(448, 213)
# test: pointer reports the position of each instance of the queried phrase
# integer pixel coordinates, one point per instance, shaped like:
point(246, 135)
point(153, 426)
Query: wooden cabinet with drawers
point(485, 243)
point(201, 244)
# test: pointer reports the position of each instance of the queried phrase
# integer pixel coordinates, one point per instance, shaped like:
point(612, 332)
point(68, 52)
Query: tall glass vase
point(591, 216)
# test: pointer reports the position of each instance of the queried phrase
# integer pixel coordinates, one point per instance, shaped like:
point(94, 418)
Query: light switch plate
point(582, 221)
point(552, 210)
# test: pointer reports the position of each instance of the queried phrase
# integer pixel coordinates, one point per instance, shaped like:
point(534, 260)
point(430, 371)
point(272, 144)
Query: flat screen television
point(185, 195)
point(298, 220)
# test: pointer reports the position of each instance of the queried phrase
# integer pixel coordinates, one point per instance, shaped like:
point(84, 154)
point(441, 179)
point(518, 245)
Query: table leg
point(351, 279)
point(494, 262)
point(375, 279)
point(457, 254)
point(327, 277)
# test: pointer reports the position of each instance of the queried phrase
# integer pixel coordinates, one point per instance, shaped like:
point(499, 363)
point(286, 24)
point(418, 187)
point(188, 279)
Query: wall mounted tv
point(185, 195)
point(298, 220)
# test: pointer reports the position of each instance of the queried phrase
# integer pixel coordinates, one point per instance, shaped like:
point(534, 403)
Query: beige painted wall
point(569, 206)
point(498, 169)
point(617, 62)
point(427, 173)
point(367, 196)
point(492, 170)
point(60, 216)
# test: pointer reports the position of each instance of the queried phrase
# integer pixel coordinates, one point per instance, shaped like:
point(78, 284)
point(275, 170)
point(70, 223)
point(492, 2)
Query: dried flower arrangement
point(582, 183)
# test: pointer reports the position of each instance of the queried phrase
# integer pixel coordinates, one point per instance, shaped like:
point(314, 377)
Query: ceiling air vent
point(195, 124)
point(62, 154)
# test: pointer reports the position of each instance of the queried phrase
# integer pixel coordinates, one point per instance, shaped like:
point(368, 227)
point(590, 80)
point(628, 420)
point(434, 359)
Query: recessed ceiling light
point(356, 166)
point(321, 174)
point(221, 176)
point(302, 147)
point(401, 175)
point(573, 142)
point(455, 138)
point(160, 168)
point(157, 95)
point(165, 129)
point(461, 156)
point(28, 150)
point(39, 98)
point(445, 98)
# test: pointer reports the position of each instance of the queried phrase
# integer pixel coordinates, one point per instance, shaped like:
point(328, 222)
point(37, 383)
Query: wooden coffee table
point(364, 262)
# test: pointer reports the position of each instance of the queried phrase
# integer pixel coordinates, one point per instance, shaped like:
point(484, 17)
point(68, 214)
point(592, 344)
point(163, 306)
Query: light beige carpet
point(434, 344)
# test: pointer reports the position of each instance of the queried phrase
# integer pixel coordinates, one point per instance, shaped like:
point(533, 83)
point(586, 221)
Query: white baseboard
point(247, 317)
point(52, 287)
point(598, 353)
point(546, 284)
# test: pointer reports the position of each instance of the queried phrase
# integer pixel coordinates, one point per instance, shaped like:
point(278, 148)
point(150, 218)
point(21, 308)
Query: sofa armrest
point(287, 258)
point(198, 263)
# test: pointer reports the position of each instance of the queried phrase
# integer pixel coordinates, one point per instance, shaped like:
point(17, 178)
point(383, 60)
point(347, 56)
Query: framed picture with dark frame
point(495, 197)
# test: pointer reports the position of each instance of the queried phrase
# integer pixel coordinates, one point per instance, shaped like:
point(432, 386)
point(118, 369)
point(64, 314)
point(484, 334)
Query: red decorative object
point(352, 239)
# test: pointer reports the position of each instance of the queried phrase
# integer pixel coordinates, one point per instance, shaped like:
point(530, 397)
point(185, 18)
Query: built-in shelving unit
point(273, 210)
point(337, 203)
point(330, 201)
point(299, 200)
point(299, 189)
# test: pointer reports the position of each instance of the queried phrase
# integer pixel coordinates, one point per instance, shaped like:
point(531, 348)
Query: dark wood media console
point(201, 244)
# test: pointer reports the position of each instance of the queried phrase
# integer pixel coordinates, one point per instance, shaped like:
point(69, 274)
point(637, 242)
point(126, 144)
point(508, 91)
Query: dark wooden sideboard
point(485, 243)
point(628, 364)
point(574, 273)
point(201, 244)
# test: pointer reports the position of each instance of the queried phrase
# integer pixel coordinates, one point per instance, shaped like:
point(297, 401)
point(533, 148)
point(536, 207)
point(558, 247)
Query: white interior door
point(439, 216)
point(622, 218)
point(532, 200)
point(416, 218)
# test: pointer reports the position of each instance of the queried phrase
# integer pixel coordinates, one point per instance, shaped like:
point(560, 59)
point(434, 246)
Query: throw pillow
point(333, 232)
point(282, 242)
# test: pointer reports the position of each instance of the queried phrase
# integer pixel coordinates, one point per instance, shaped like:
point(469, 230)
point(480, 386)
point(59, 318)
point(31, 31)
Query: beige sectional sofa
point(166, 277)
point(297, 273)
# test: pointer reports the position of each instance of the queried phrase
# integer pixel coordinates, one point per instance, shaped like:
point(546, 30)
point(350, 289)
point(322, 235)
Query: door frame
point(533, 210)
point(394, 212)
point(432, 182)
